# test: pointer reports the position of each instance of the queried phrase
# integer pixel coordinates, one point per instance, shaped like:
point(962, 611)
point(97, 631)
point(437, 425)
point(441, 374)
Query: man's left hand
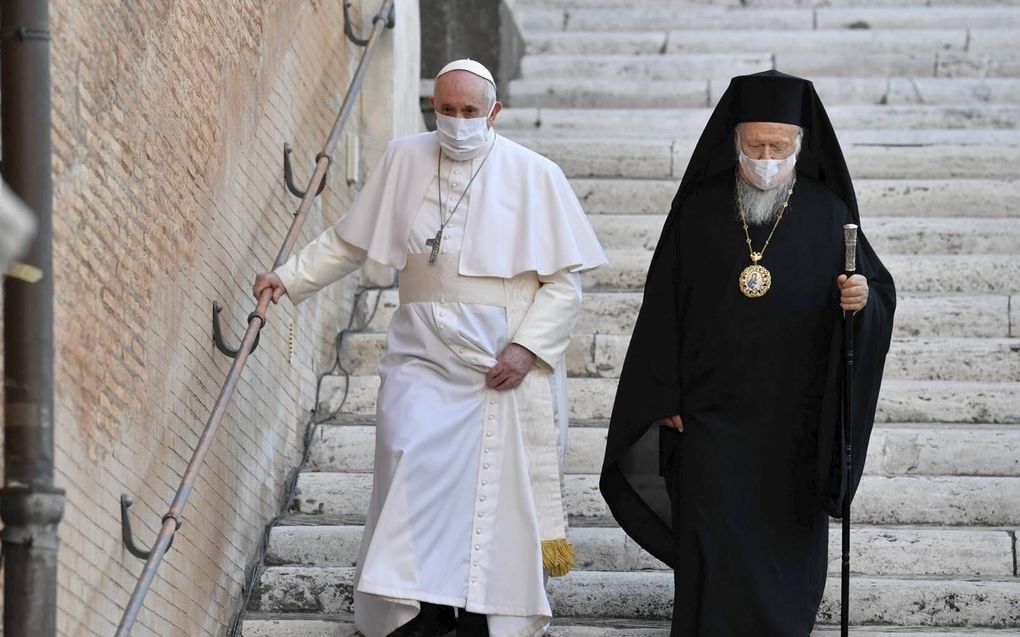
point(853, 292)
point(513, 365)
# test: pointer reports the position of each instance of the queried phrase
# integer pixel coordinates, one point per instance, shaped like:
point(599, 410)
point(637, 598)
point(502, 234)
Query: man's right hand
point(269, 280)
point(673, 422)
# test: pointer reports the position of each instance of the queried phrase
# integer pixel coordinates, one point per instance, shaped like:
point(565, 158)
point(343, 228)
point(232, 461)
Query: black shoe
point(432, 621)
point(472, 624)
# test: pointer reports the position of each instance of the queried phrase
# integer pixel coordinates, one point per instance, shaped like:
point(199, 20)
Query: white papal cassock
point(454, 517)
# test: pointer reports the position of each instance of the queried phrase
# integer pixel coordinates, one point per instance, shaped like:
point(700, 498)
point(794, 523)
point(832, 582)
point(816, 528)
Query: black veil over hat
point(650, 388)
point(771, 96)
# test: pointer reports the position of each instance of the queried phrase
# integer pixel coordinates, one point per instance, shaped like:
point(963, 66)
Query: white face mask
point(461, 139)
point(766, 174)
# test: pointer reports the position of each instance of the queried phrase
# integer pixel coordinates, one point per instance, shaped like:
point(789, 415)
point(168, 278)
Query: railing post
point(30, 506)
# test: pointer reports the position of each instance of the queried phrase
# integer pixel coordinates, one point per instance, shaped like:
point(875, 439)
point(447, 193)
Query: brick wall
point(169, 119)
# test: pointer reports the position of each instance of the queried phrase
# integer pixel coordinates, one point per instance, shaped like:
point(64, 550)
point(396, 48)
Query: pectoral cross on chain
point(434, 243)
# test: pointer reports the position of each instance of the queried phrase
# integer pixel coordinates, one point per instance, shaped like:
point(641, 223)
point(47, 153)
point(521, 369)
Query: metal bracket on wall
point(288, 173)
point(217, 331)
point(127, 535)
point(390, 18)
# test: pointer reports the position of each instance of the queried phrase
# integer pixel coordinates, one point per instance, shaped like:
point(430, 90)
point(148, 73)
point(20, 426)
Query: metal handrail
point(256, 321)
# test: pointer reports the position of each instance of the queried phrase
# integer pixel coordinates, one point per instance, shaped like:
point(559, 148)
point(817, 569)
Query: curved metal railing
point(256, 320)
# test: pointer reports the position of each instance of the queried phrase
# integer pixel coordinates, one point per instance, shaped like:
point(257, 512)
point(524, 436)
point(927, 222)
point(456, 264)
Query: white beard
point(760, 207)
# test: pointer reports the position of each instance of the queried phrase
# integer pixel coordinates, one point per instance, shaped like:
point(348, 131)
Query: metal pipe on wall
point(30, 506)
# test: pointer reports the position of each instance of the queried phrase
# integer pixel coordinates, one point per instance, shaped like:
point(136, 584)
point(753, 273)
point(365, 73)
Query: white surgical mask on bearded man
point(766, 174)
point(461, 139)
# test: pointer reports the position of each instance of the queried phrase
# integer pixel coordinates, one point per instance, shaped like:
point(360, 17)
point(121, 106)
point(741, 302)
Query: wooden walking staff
point(849, 268)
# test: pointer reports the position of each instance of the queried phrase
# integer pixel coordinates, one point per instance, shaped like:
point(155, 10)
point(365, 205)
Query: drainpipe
point(30, 506)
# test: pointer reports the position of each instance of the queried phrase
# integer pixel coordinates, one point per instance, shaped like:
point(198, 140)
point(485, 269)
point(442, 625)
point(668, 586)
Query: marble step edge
point(601, 355)
point(614, 312)
point(835, 91)
point(900, 400)
point(875, 550)
point(297, 624)
point(341, 421)
point(877, 198)
point(956, 501)
point(957, 450)
point(993, 602)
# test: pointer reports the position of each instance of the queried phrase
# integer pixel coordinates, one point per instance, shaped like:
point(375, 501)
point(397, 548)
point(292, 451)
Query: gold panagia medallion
point(755, 281)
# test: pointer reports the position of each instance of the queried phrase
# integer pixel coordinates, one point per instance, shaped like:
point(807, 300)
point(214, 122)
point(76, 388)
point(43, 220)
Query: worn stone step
point(649, 595)
point(893, 138)
point(873, 17)
point(689, 4)
point(896, 500)
point(298, 625)
point(889, 235)
point(874, 550)
point(748, 41)
point(657, 17)
point(900, 401)
point(684, 66)
point(602, 354)
point(928, 449)
point(834, 91)
point(953, 359)
point(923, 198)
point(929, 274)
point(963, 316)
point(826, 62)
point(666, 158)
point(675, 122)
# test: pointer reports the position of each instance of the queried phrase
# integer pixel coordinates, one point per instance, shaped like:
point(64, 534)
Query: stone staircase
point(925, 97)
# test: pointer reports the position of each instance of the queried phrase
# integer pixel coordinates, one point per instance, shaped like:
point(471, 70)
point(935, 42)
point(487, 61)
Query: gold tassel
point(558, 557)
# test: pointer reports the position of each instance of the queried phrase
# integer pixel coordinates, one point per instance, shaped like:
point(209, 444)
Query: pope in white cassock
point(489, 239)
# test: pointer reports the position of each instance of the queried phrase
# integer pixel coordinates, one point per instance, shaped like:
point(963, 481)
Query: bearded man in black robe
point(724, 453)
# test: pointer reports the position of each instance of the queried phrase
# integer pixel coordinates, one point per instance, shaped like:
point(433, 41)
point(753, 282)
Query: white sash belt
point(424, 282)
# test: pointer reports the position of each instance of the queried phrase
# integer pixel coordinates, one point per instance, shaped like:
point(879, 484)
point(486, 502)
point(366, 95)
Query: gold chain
point(757, 256)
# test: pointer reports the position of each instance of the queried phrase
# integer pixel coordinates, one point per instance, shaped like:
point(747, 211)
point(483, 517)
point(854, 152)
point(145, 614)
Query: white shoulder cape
point(522, 214)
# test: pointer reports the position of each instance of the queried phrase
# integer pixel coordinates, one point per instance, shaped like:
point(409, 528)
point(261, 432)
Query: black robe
point(756, 382)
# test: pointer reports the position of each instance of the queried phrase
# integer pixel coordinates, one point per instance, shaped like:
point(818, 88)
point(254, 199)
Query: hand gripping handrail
point(256, 320)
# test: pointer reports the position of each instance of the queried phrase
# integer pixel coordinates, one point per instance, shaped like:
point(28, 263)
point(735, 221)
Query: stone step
point(889, 235)
point(692, 66)
point(894, 137)
point(750, 41)
point(874, 550)
point(689, 4)
point(923, 198)
point(668, 158)
point(916, 316)
point(900, 401)
point(298, 625)
point(658, 17)
point(662, 67)
point(929, 449)
point(649, 595)
point(601, 355)
point(928, 274)
point(834, 91)
point(884, 500)
point(848, 120)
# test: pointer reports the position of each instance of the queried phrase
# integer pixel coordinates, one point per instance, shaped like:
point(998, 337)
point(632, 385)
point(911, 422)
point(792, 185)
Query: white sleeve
point(323, 261)
point(550, 321)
